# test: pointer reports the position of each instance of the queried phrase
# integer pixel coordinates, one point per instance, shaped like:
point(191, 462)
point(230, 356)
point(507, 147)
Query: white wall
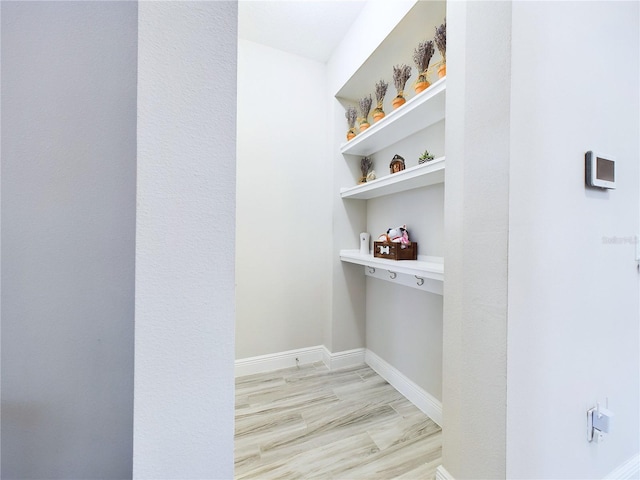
point(402, 326)
point(476, 232)
point(422, 209)
point(347, 329)
point(68, 238)
point(184, 334)
point(573, 297)
point(377, 19)
point(515, 403)
point(283, 221)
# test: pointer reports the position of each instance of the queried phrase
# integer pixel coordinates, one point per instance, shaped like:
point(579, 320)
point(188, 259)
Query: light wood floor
point(345, 424)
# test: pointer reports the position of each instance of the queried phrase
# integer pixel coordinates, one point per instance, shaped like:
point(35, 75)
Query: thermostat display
point(600, 170)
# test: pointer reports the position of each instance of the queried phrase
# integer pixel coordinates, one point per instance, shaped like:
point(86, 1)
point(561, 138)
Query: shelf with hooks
point(426, 273)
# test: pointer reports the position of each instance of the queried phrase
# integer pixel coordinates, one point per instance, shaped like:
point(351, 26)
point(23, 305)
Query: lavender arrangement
point(441, 40)
point(365, 168)
point(351, 114)
point(365, 108)
point(401, 74)
point(422, 56)
point(381, 91)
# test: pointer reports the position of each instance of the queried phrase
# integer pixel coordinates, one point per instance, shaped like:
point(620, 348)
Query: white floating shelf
point(426, 273)
point(423, 175)
point(424, 267)
point(426, 108)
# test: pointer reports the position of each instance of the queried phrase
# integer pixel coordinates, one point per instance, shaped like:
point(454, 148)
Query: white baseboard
point(348, 358)
point(442, 474)
point(627, 471)
point(431, 406)
point(277, 361)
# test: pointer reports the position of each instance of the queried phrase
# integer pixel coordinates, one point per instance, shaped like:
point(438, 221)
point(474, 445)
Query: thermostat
point(600, 170)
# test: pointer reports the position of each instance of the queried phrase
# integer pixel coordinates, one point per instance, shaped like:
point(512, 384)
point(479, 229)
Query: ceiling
point(309, 28)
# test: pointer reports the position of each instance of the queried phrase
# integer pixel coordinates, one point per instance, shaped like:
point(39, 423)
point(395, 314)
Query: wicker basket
point(395, 251)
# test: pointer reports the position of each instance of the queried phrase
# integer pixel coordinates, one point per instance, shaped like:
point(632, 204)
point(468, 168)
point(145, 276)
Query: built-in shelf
point(421, 111)
point(426, 273)
point(424, 267)
point(429, 173)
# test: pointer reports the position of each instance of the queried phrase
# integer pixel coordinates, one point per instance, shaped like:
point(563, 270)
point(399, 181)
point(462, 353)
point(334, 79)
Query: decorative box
point(395, 251)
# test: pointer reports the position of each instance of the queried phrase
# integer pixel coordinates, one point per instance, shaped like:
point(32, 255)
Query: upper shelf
point(429, 173)
point(426, 108)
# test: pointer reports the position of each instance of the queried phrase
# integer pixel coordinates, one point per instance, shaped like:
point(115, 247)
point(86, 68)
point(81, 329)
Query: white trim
point(431, 406)
point(443, 474)
point(627, 471)
point(348, 358)
point(277, 361)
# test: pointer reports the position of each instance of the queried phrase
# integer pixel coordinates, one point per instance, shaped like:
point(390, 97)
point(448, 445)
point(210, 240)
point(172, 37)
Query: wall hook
point(392, 274)
point(420, 281)
point(371, 270)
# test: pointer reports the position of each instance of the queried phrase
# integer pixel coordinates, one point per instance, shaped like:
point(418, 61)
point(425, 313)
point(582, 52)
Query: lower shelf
point(426, 273)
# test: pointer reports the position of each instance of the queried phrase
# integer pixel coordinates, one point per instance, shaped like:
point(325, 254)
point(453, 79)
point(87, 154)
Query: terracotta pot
point(398, 101)
point(378, 116)
point(420, 86)
point(442, 71)
point(350, 134)
point(364, 126)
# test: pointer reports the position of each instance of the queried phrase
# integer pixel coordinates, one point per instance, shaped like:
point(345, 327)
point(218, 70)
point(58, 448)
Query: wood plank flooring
point(346, 424)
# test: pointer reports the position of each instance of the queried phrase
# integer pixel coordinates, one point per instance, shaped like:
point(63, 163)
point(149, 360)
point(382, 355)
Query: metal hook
point(371, 270)
point(392, 274)
point(420, 281)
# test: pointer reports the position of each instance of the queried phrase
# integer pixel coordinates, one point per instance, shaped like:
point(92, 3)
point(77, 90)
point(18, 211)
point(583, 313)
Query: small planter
point(377, 115)
point(422, 56)
point(381, 91)
point(351, 114)
point(421, 86)
point(365, 108)
point(441, 42)
point(425, 157)
point(401, 74)
point(398, 101)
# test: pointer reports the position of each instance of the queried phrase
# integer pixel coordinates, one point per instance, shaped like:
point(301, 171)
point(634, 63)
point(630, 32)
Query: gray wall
point(68, 238)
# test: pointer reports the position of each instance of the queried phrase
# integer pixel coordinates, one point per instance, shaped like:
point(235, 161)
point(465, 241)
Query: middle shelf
point(423, 175)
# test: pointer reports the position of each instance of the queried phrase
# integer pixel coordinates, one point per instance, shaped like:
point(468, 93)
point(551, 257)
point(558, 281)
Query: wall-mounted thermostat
point(600, 170)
